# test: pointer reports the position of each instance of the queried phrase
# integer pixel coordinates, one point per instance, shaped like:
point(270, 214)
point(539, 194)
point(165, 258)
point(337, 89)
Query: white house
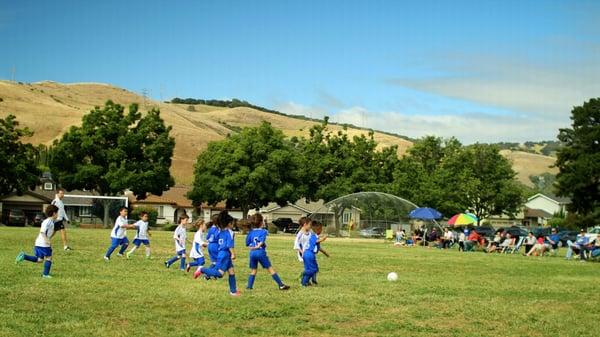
point(548, 203)
point(294, 211)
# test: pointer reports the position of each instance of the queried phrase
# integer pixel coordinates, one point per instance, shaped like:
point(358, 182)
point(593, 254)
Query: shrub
point(152, 214)
point(169, 227)
point(272, 229)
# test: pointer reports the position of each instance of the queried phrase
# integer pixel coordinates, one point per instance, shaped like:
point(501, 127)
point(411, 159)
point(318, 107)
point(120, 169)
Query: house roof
point(176, 195)
point(301, 204)
point(536, 213)
point(551, 197)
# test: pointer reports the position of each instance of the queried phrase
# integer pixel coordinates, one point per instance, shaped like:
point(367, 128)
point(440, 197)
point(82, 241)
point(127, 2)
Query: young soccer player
point(118, 235)
point(197, 246)
point(256, 242)
point(180, 236)
point(212, 239)
point(302, 236)
point(309, 257)
point(42, 249)
point(318, 229)
point(142, 235)
point(61, 219)
point(226, 254)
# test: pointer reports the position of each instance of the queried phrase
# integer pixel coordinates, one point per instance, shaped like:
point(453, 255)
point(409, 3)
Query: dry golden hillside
point(50, 108)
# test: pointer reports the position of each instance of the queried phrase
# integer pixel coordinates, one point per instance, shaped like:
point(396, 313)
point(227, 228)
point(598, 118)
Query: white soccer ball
point(392, 277)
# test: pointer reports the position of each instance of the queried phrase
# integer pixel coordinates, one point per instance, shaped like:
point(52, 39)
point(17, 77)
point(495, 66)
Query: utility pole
point(13, 71)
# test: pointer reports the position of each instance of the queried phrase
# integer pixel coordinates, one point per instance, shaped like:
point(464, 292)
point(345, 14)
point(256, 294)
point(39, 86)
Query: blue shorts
point(224, 262)
point(180, 252)
point(138, 242)
point(213, 252)
point(310, 263)
point(42, 252)
point(200, 261)
point(118, 242)
point(259, 256)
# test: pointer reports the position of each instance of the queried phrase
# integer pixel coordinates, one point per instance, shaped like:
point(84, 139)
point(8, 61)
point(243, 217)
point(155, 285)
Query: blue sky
point(478, 70)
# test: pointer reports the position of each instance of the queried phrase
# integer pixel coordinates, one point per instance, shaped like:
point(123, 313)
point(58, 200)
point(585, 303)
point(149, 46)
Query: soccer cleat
point(46, 276)
point(167, 264)
point(68, 248)
point(106, 258)
point(236, 293)
point(187, 268)
point(119, 255)
point(197, 273)
point(248, 288)
point(20, 257)
point(284, 287)
point(128, 255)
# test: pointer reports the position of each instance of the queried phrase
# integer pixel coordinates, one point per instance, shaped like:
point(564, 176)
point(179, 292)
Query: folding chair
point(516, 248)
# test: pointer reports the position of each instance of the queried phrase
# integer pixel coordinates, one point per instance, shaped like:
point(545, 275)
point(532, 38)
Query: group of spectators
point(502, 242)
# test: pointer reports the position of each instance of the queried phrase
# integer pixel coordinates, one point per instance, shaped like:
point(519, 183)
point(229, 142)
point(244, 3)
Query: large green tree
point(482, 180)
point(248, 170)
point(113, 151)
point(18, 171)
point(579, 162)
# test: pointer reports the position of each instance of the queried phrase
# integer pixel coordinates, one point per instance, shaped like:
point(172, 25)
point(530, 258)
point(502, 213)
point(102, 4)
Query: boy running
point(142, 235)
point(43, 249)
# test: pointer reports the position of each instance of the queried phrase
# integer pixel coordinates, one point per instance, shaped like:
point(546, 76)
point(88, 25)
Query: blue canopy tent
point(428, 214)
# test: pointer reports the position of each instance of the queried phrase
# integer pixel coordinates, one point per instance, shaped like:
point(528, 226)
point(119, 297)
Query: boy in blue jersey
point(318, 228)
point(256, 242)
point(225, 256)
point(180, 237)
point(309, 256)
point(118, 235)
point(212, 239)
point(142, 235)
point(42, 249)
point(196, 252)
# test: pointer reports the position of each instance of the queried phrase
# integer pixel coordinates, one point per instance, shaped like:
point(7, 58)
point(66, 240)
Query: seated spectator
point(529, 243)
point(448, 238)
point(539, 248)
point(472, 240)
point(493, 245)
point(552, 242)
point(400, 235)
point(576, 247)
point(417, 236)
point(508, 243)
point(433, 237)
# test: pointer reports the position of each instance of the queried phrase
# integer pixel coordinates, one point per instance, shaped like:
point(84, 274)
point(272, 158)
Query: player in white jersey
point(43, 249)
point(62, 218)
point(118, 235)
point(179, 236)
point(199, 243)
point(142, 235)
point(302, 237)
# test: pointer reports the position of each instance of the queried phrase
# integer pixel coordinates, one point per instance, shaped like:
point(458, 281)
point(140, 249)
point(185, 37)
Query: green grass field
point(439, 293)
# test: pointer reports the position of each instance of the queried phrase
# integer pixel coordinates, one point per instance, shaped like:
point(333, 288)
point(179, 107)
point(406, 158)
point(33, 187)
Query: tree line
point(114, 150)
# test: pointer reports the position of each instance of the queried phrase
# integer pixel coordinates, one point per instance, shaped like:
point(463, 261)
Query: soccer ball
point(392, 277)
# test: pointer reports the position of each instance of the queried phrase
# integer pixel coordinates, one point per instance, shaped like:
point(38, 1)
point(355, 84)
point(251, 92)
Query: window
point(346, 217)
point(85, 211)
point(48, 186)
point(161, 210)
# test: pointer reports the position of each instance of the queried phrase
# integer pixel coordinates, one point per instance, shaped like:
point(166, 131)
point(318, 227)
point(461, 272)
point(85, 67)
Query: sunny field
point(439, 293)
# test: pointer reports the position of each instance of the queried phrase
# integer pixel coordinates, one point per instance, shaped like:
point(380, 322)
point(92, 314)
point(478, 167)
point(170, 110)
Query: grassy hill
point(50, 108)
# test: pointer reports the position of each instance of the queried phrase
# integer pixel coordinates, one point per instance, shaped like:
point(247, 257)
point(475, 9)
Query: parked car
point(515, 231)
point(38, 219)
point(372, 232)
point(593, 233)
point(286, 225)
point(13, 217)
point(541, 231)
point(567, 235)
point(485, 231)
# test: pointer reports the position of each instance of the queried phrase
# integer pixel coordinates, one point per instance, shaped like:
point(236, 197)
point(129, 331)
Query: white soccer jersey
point(119, 231)
point(142, 230)
point(301, 242)
point(62, 215)
point(196, 252)
point(180, 235)
point(47, 228)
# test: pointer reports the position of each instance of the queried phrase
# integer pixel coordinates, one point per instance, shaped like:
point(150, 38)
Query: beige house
point(548, 203)
point(292, 210)
point(170, 205)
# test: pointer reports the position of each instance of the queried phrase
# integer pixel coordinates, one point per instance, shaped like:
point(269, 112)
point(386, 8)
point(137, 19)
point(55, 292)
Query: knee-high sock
point(182, 263)
point(305, 278)
point(251, 281)
point(212, 272)
point(31, 258)
point(147, 251)
point(232, 285)
point(47, 265)
point(314, 278)
point(193, 263)
point(173, 259)
point(277, 279)
point(123, 248)
point(133, 249)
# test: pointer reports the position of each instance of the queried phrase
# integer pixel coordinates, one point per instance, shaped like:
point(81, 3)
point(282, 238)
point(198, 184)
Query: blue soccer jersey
point(212, 234)
point(255, 237)
point(226, 240)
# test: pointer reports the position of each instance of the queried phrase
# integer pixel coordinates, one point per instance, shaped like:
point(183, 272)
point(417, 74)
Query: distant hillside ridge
point(236, 103)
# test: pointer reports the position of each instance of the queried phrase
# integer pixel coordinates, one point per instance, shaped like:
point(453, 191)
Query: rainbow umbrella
point(462, 219)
